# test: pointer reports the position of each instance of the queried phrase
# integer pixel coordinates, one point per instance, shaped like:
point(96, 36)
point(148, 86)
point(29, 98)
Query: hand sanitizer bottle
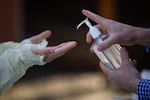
point(110, 56)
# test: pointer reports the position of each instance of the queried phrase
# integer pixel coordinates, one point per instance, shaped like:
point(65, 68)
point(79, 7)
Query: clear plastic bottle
point(110, 56)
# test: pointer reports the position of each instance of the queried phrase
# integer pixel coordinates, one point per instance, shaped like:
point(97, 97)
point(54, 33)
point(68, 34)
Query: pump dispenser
point(110, 56)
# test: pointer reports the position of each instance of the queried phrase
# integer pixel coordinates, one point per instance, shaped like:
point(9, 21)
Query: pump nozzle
point(94, 31)
point(86, 21)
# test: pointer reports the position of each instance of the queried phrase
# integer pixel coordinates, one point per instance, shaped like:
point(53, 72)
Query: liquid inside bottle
point(110, 56)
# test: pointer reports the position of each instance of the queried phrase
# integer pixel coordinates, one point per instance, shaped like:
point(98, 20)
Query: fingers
point(60, 50)
point(41, 36)
point(43, 51)
point(102, 23)
point(88, 38)
point(106, 69)
point(107, 43)
point(124, 56)
point(96, 18)
point(64, 47)
point(50, 53)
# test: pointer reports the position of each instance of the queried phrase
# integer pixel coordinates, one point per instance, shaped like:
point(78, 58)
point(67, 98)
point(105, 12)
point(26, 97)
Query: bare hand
point(51, 53)
point(118, 32)
point(126, 76)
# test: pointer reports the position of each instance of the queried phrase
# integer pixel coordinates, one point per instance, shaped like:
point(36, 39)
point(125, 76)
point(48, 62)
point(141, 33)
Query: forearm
point(14, 63)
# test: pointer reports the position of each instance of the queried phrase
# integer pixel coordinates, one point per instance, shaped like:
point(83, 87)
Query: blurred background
point(76, 75)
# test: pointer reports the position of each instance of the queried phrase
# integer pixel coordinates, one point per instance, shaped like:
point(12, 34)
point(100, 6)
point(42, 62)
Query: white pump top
point(94, 31)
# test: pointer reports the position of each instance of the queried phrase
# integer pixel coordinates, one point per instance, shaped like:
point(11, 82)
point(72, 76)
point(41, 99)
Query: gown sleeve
point(15, 59)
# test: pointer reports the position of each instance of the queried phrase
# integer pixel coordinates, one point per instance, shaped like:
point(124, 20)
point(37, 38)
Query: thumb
point(106, 43)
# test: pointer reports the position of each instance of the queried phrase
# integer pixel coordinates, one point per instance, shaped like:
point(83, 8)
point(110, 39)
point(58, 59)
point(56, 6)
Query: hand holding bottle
point(118, 32)
point(52, 52)
point(109, 56)
point(127, 76)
